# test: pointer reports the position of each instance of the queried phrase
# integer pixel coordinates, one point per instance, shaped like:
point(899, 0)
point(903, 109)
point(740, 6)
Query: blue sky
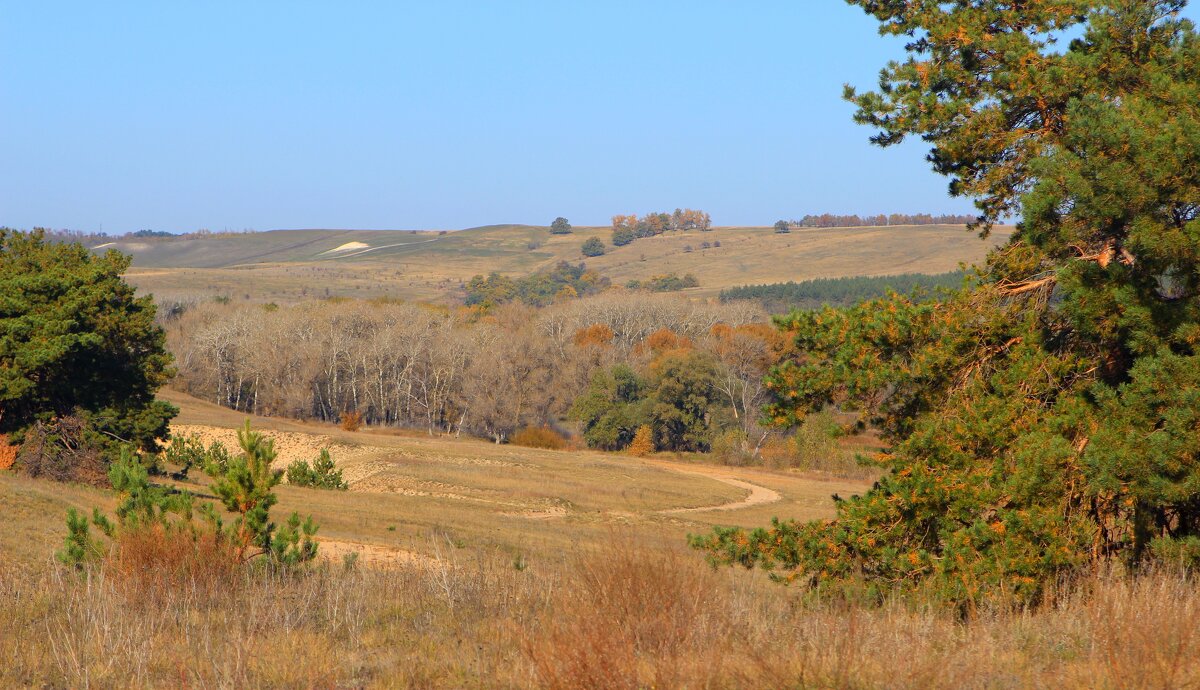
point(234, 115)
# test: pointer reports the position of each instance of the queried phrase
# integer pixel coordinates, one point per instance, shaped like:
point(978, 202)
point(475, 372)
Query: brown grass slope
point(296, 264)
point(473, 590)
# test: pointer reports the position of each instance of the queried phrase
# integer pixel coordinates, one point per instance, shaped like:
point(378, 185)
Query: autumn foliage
point(351, 420)
point(643, 441)
point(538, 437)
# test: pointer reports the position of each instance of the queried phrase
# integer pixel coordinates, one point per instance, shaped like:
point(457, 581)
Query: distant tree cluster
point(564, 281)
point(829, 220)
point(626, 229)
point(671, 282)
point(64, 235)
point(780, 298)
point(142, 234)
point(685, 396)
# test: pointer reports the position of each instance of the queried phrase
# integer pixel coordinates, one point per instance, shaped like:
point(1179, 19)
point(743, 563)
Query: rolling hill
point(288, 265)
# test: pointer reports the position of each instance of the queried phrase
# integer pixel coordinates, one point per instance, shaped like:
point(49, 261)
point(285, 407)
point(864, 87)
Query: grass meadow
point(456, 563)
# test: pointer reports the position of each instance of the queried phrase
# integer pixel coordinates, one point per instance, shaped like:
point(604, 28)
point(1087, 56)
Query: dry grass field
point(420, 494)
point(495, 566)
point(297, 264)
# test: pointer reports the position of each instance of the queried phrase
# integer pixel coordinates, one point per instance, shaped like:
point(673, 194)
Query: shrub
point(635, 618)
point(592, 246)
point(643, 441)
point(730, 448)
point(8, 453)
point(61, 450)
point(157, 559)
point(322, 474)
point(186, 452)
point(148, 512)
point(352, 420)
point(538, 437)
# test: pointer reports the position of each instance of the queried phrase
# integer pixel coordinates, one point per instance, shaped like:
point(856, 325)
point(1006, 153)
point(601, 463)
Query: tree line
point(451, 372)
point(563, 281)
point(780, 298)
point(627, 228)
point(830, 220)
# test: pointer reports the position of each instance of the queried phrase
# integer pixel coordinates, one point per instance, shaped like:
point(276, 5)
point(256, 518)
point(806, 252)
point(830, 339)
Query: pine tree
point(1047, 418)
point(243, 483)
point(76, 342)
point(322, 474)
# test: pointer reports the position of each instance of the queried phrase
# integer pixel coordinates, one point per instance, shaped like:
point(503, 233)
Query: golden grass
point(433, 271)
point(533, 501)
point(452, 592)
point(623, 614)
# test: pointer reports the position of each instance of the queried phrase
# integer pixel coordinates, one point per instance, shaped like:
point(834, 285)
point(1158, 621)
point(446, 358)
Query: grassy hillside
point(495, 566)
point(294, 264)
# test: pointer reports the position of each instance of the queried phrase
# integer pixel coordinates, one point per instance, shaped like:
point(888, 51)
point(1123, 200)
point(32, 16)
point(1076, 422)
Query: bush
point(643, 441)
point(538, 437)
point(187, 452)
point(322, 474)
point(622, 237)
point(8, 453)
point(352, 420)
point(730, 448)
point(60, 450)
point(592, 246)
point(636, 618)
point(243, 487)
point(156, 560)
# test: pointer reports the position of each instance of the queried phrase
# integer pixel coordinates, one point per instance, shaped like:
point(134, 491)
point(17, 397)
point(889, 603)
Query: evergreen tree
point(322, 474)
point(245, 489)
point(242, 483)
point(75, 341)
point(1047, 419)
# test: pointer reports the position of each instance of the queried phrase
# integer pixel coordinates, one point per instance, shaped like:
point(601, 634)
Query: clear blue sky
point(184, 115)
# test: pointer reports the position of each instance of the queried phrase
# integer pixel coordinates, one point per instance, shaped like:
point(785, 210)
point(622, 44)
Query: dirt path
point(759, 495)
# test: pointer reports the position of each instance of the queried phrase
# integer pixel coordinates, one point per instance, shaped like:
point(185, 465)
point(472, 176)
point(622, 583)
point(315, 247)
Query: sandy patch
point(373, 554)
point(289, 445)
point(349, 246)
point(546, 514)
